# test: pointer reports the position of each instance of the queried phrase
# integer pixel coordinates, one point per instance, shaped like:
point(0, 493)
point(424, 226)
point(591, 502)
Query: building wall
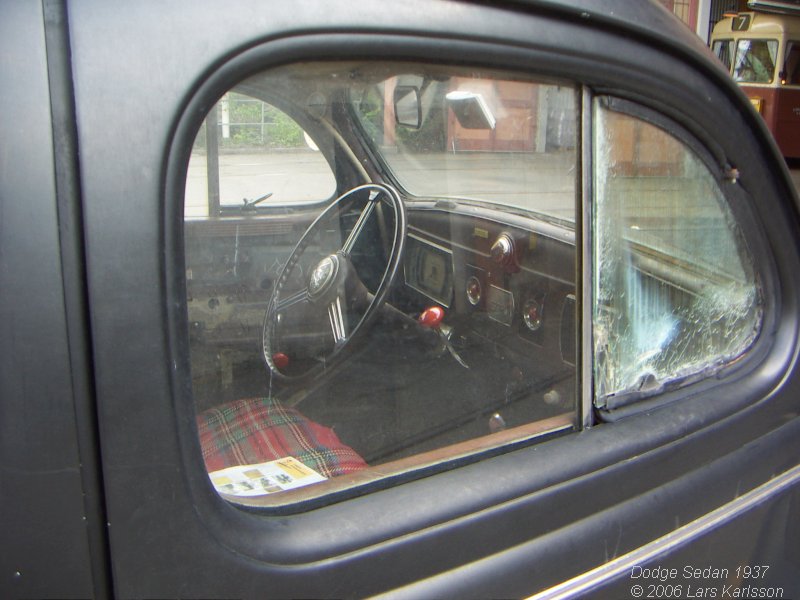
point(686, 10)
point(701, 15)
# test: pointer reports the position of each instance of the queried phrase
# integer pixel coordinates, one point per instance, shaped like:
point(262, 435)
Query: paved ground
point(546, 184)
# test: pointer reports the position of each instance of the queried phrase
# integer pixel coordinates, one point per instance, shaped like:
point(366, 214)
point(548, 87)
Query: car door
point(53, 523)
point(673, 477)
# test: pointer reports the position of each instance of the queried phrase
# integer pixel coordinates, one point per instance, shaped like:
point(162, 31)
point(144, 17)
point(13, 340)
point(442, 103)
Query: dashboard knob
point(474, 290)
point(503, 250)
point(431, 317)
point(280, 360)
point(532, 315)
point(496, 423)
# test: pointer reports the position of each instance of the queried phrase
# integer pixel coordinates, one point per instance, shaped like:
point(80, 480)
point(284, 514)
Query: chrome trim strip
point(585, 283)
point(579, 586)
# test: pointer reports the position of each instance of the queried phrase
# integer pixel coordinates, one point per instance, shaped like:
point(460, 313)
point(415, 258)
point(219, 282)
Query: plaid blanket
point(257, 430)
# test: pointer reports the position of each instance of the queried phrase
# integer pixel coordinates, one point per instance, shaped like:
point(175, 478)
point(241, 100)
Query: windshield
point(755, 61)
point(503, 140)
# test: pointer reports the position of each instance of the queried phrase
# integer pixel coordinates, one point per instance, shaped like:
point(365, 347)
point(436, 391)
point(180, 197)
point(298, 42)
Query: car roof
point(645, 20)
point(640, 18)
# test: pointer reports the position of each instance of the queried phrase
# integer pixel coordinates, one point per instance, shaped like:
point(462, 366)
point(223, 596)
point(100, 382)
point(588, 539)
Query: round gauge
point(532, 315)
point(474, 290)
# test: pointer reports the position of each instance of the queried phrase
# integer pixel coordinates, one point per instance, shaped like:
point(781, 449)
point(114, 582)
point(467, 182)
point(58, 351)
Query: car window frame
point(224, 518)
point(714, 161)
point(741, 204)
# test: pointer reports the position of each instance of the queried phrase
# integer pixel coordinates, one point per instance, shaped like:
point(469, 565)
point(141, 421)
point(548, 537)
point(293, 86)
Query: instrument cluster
point(499, 281)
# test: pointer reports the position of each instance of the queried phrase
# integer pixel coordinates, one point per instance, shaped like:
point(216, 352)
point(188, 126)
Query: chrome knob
point(503, 250)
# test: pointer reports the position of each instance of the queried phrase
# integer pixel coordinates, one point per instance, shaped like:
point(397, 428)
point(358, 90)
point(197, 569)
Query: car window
point(244, 156)
point(675, 291)
point(428, 316)
point(790, 74)
point(755, 61)
point(423, 319)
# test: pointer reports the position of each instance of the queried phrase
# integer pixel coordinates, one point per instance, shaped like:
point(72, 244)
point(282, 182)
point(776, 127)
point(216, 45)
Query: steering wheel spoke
point(290, 301)
point(350, 242)
point(337, 320)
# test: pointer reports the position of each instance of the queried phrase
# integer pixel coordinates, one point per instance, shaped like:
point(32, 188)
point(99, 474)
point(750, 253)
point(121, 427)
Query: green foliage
point(430, 137)
point(253, 123)
point(371, 111)
point(284, 132)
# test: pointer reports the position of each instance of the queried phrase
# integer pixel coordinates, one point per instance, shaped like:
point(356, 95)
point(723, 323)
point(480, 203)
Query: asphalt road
point(543, 182)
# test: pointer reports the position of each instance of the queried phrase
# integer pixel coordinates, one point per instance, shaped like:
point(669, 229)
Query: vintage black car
point(426, 299)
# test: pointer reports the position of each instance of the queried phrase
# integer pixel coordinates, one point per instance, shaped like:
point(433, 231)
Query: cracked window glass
point(675, 294)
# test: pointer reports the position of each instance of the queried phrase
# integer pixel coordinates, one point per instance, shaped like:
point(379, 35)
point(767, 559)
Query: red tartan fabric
point(257, 430)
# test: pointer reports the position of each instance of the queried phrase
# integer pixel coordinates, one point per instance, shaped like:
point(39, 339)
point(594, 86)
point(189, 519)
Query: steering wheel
point(320, 307)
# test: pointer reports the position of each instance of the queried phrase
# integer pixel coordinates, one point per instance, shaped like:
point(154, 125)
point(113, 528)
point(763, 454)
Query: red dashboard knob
point(431, 317)
point(280, 360)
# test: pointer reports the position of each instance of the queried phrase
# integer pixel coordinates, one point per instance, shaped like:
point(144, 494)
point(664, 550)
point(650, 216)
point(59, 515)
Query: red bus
point(762, 52)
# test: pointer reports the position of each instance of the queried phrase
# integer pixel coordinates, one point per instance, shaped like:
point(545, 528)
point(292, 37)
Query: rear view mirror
point(471, 110)
point(407, 106)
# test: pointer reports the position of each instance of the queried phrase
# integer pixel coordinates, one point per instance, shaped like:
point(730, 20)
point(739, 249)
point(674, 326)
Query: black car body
point(532, 280)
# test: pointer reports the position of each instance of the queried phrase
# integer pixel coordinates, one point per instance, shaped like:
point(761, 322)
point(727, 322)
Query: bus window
point(723, 50)
point(755, 61)
point(791, 66)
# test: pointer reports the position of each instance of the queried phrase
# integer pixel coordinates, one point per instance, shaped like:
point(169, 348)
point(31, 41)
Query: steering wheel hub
point(323, 277)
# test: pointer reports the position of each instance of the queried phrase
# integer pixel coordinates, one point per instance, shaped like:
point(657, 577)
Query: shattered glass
point(675, 294)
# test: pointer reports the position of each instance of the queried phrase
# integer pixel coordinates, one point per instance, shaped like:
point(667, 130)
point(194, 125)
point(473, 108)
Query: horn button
point(323, 277)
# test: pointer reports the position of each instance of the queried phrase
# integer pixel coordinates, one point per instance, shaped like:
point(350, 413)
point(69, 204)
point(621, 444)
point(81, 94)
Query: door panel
point(510, 524)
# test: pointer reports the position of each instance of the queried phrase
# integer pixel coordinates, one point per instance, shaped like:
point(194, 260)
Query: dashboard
point(506, 284)
point(502, 278)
